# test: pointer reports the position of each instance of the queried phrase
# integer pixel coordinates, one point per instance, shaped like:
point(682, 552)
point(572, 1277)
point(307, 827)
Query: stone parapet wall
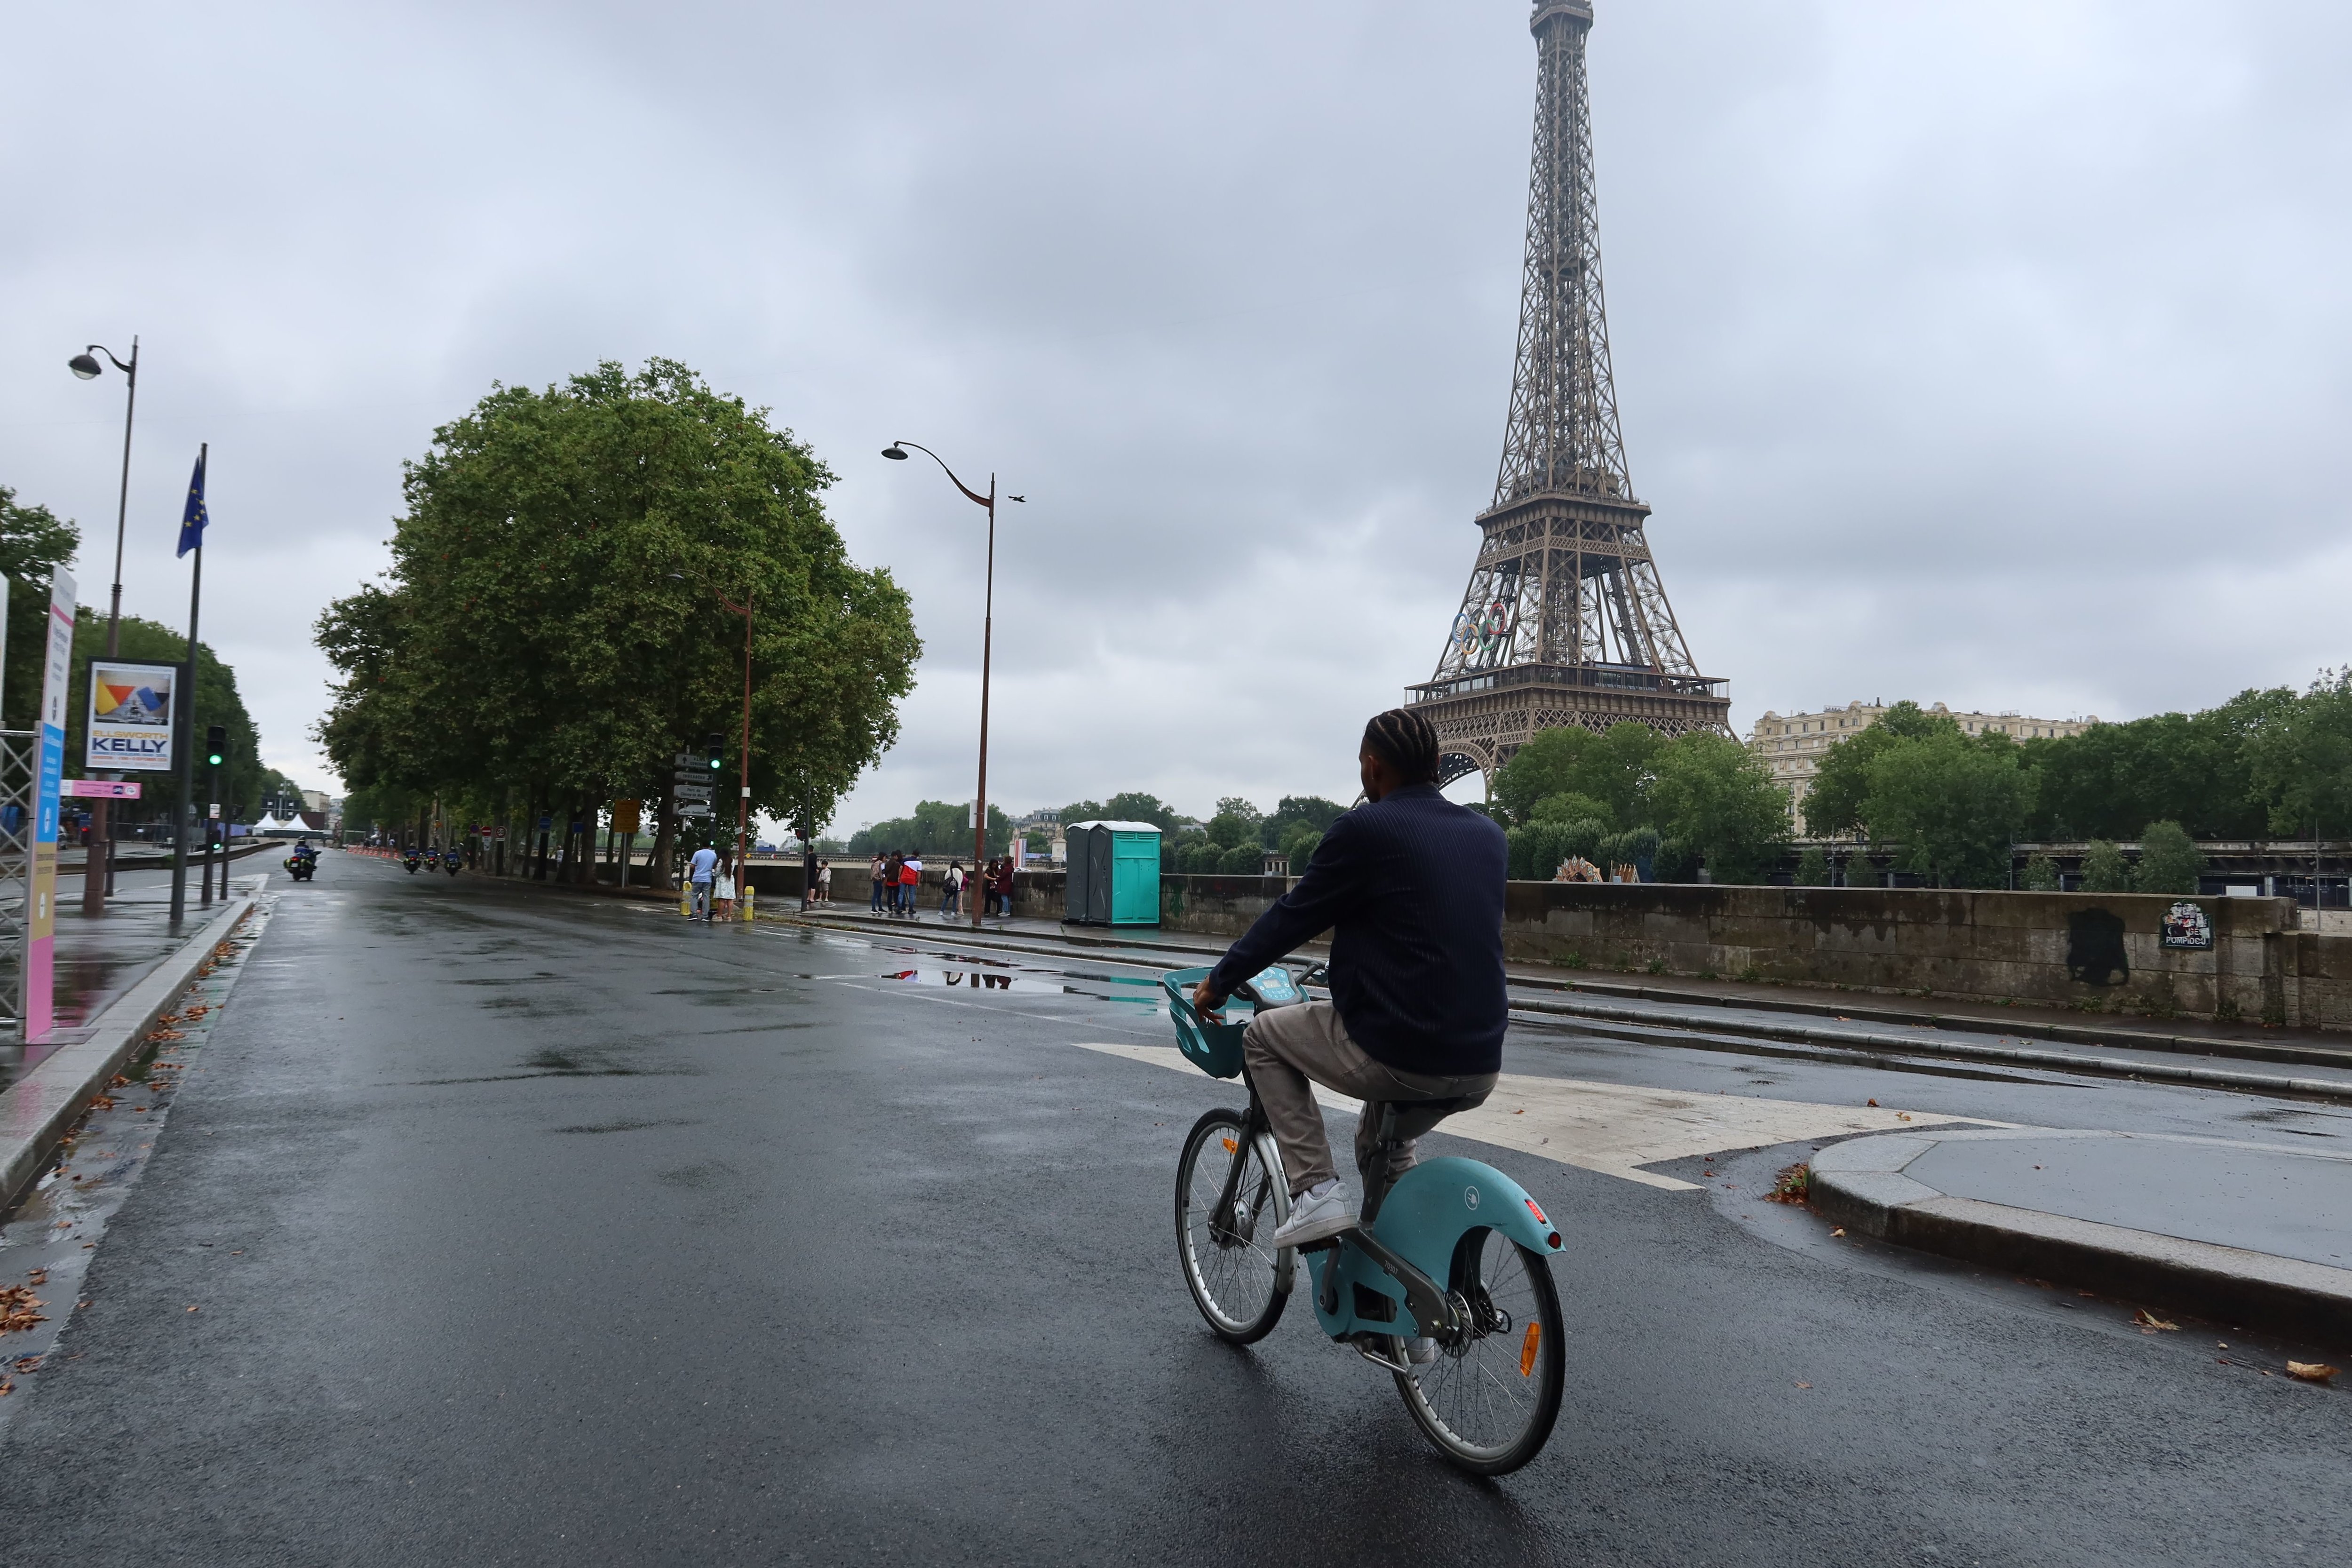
point(2095, 950)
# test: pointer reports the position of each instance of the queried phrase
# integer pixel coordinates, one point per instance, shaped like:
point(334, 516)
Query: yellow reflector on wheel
point(1230, 1144)
point(1528, 1348)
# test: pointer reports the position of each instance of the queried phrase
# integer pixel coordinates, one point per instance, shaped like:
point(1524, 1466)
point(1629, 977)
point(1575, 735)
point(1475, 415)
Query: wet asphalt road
point(528, 1229)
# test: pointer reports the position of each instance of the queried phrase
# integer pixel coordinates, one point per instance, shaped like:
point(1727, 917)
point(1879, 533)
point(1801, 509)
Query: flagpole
point(185, 718)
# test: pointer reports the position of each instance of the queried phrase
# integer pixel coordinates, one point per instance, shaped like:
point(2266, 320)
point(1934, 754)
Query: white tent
point(269, 828)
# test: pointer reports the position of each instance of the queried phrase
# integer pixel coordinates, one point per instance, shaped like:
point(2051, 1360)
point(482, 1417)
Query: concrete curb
point(1860, 1184)
point(1704, 1020)
point(38, 1109)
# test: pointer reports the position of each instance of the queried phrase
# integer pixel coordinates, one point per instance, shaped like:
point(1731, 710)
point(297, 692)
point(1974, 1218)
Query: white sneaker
point(1316, 1218)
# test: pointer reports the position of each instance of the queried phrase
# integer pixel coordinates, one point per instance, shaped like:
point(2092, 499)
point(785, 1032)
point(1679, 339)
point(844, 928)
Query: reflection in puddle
point(977, 979)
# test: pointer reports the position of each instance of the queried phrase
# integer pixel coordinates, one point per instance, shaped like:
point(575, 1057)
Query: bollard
point(748, 889)
point(685, 901)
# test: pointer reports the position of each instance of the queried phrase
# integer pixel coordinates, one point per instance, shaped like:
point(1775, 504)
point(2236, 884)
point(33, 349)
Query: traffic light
point(216, 744)
point(713, 745)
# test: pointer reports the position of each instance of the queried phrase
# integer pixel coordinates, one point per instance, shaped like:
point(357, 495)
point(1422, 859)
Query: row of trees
point(1627, 795)
point(1953, 804)
point(563, 616)
point(937, 828)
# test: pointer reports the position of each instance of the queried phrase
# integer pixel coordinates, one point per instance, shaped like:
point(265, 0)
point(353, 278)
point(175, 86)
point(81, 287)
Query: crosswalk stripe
point(1616, 1129)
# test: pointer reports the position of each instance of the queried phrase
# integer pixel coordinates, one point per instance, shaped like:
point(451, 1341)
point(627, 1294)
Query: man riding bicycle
point(1411, 885)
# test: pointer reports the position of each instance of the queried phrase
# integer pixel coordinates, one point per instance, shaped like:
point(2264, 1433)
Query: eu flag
point(193, 518)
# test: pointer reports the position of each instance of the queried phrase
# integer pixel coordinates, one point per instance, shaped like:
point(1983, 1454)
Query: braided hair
point(1406, 742)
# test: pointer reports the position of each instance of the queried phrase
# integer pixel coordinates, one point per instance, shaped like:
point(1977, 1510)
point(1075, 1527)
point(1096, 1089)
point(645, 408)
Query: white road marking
point(1616, 1129)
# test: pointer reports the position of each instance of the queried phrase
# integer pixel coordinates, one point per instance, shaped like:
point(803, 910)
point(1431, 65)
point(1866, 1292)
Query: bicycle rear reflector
point(1229, 1144)
point(1528, 1348)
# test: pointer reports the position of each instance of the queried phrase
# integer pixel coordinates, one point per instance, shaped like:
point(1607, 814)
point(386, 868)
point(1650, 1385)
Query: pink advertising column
point(40, 951)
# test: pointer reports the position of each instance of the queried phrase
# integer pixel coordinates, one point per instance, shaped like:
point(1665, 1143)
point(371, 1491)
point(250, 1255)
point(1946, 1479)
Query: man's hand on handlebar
point(1205, 1000)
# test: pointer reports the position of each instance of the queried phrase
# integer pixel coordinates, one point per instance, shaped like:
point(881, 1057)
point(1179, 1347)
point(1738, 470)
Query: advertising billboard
point(129, 716)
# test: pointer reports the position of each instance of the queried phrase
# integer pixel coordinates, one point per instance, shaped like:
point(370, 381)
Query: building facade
point(1792, 744)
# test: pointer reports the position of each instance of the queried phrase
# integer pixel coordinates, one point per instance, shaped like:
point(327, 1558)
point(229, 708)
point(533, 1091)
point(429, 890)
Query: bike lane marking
point(1615, 1129)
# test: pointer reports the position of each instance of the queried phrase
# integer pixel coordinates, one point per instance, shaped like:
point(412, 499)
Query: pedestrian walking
point(878, 871)
point(698, 872)
point(891, 874)
point(950, 889)
point(722, 897)
point(911, 885)
point(825, 882)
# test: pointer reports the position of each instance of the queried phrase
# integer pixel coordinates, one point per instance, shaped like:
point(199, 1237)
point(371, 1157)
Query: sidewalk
point(2246, 1235)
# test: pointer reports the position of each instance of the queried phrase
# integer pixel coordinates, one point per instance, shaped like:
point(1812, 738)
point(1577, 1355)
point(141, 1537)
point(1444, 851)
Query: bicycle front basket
point(1213, 1047)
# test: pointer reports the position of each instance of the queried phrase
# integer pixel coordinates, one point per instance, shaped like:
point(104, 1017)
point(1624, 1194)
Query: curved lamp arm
point(892, 450)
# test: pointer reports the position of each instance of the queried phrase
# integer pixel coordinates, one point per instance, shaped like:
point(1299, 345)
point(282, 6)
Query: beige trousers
point(1289, 1045)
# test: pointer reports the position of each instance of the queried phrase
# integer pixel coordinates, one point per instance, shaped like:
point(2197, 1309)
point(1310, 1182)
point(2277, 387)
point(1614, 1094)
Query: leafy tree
point(1842, 781)
point(34, 542)
point(1953, 802)
point(1246, 859)
point(1860, 872)
point(552, 620)
point(1637, 847)
point(1813, 868)
point(1570, 807)
point(2197, 769)
point(2040, 874)
point(2106, 869)
point(1715, 794)
point(1232, 829)
point(1234, 805)
point(2170, 860)
point(2301, 761)
point(1301, 850)
point(1676, 862)
point(1612, 768)
point(1131, 805)
point(1310, 809)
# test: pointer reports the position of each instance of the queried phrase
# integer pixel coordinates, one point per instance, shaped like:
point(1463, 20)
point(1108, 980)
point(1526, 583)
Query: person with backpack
point(952, 890)
point(911, 885)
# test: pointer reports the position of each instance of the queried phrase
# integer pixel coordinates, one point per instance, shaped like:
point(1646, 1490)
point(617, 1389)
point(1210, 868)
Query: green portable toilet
point(1114, 874)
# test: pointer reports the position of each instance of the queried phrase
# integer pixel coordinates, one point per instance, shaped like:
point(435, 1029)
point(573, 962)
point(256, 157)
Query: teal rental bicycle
point(1454, 1254)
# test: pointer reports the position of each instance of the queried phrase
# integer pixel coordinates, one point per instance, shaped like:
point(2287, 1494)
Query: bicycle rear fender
point(1439, 1200)
point(1423, 1218)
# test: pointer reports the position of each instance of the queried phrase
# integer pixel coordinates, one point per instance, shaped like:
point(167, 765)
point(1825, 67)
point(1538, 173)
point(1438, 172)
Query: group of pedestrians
point(898, 883)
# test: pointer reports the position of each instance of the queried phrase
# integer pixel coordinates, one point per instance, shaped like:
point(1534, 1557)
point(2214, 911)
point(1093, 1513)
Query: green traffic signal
point(216, 744)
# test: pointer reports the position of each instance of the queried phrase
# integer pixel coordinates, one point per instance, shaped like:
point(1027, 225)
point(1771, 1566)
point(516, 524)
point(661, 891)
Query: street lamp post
point(743, 773)
point(97, 885)
point(896, 452)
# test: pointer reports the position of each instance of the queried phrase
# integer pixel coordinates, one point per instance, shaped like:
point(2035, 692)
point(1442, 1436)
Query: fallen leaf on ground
point(1872, 1103)
point(1804, 1386)
point(1839, 1231)
point(192, 1308)
point(2149, 1323)
point(2311, 1371)
point(1902, 1116)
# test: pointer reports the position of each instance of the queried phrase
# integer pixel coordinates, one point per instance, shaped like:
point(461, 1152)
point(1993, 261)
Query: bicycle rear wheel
point(1489, 1403)
point(1240, 1283)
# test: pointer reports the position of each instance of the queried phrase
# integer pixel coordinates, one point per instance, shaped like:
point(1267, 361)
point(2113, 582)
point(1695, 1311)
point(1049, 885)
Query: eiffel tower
point(1565, 621)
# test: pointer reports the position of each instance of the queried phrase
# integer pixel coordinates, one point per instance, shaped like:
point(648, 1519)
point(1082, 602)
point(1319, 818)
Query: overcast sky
point(1992, 352)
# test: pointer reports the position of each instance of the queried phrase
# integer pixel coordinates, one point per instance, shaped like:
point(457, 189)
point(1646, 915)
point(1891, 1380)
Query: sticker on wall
point(2187, 925)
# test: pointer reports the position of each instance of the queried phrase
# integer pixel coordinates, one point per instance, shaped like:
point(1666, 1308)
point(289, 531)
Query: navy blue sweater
point(1413, 888)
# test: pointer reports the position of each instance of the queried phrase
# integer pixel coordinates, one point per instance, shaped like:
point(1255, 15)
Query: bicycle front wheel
point(1488, 1404)
point(1239, 1282)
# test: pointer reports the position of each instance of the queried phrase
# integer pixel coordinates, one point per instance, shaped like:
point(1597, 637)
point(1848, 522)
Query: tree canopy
point(34, 542)
point(557, 615)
